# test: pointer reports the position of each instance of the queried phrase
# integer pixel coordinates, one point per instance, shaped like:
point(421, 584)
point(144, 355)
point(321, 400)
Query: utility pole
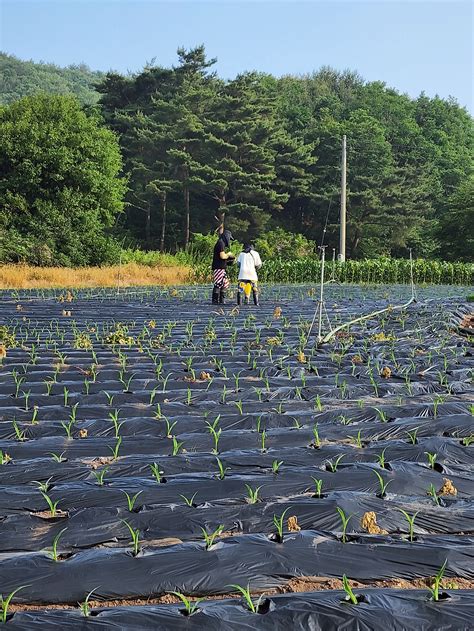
point(342, 229)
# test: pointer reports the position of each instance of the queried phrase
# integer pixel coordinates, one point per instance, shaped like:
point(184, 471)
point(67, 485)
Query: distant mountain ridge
point(20, 78)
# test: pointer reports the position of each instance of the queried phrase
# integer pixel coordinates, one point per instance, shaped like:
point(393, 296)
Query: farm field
point(153, 443)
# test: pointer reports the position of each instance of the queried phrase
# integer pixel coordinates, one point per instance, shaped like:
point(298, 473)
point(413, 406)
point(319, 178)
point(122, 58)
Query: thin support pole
point(342, 228)
point(321, 293)
point(413, 290)
point(119, 272)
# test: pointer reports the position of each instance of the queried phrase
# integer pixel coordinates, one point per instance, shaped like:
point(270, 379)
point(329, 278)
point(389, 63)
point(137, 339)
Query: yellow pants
point(246, 286)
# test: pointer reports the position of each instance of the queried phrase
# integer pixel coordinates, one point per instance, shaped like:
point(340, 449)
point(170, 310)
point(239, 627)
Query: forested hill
point(22, 78)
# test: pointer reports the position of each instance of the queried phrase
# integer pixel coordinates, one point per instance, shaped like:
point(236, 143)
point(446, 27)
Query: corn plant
point(131, 499)
point(382, 415)
point(344, 522)
point(333, 464)
point(54, 550)
point(318, 485)
point(135, 534)
point(357, 439)
point(222, 470)
point(382, 484)
point(252, 494)
point(412, 436)
point(4, 457)
point(58, 457)
point(276, 466)
point(432, 492)
point(19, 433)
point(350, 596)
point(431, 459)
point(189, 501)
point(253, 607)
point(53, 506)
point(116, 447)
point(85, 608)
point(468, 440)
point(263, 436)
point(381, 459)
point(411, 522)
point(190, 608)
point(68, 428)
point(317, 441)
point(5, 603)
point(99, 475)
point(169, 427)
point(176, 446)
point(278, 522)
point(156, 472)
point(209, 537)
point(434, 590)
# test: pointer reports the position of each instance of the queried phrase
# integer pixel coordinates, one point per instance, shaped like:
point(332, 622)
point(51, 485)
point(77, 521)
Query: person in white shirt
point(249, 262)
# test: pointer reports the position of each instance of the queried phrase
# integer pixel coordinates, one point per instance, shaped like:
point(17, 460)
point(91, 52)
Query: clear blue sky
point(411, 45)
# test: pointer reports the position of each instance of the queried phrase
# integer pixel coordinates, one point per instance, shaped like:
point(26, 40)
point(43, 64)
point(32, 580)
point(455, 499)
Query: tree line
point(182, 150)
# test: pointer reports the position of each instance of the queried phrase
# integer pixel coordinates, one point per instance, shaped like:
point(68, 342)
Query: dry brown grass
point(27, 277)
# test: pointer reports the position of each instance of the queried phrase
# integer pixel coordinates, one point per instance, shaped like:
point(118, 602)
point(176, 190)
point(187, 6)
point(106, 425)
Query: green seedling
point(222, 469)
point(319, 485)
point(131, 499)
point(65, 396)
point(278, 522)
point(54, 550)
point(43, 486)
point(85, 608)
point(209, 537)
point(190, 608)
point(158, 413)
point(350, 596)
point(5, 603)
point(434, 590)
point(357, 439)
point(53, 506)
point(276, 466)
point(345, 522)
point(253, 607)
point(411, 522)
point(468, 440)
point(382, 415)
point(170, 427)
point(58, 457)
point(156, 472)
point(317, 441)
point(176, 446)
point(432, 492)
point(381, 459)
point(431, 459)
point(135, 534)
point(333, 464)
point(19, 433)
point(412, 436)
point(68, 428)
point(189, 501)
point(4, 457)
point(116, 448)
point(252, 494)
point(99, 475)
point(382, 484)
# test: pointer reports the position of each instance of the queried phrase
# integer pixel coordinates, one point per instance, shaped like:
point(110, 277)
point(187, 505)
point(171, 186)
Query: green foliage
point(60, 186)
point(25, 78)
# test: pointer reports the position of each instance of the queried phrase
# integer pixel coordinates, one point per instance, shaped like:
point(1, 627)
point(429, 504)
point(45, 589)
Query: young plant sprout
point(58, 457)
point(382, 484)
point(19, 433)
point(189, 501)
point(53, 506)
point(169, 427)
point(319, 486)
point(317, 441)
point(135, 534)
point(411, 522)
point(68, 428)
point(115, 449)
point(278, 522)
point(253, 607)
point(434, 589)
point(54, 550)
point(433, 493)
point(381, 459)
point(5, 603)
point(86, 612)
point(345, 522)
point(190, 608)
point(431, 459)
point(252, 494)
point(131, 500)
point(222, 470)
point(412, 436)
point(209, 537)
point(4, 457)
point(99, 475)
point(176, 446)
point(263, 438)
point(276, 466)
point(156, 472)
point(350, 596)
point(333, 464)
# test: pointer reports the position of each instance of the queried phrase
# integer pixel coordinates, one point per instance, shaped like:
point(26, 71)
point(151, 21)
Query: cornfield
point(382, 270)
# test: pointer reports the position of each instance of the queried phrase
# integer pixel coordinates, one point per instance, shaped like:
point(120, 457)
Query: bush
point(284, 245)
